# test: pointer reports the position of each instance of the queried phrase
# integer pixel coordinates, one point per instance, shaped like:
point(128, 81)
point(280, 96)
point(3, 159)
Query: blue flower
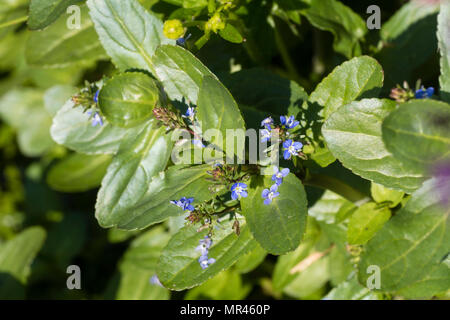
point(190, 113)
point(267, 123)
point(205, 262)
point(155, 280)
point(239, 190)
point(182, 41)
point(289, 123)
point(279, 175)
point(269, 194)
point(291, 148)
point(96, 118)
point(198, 143)
point(184, 203)
point(96, 96)
point(423, 93)
point(265, 135)
point(204, 245)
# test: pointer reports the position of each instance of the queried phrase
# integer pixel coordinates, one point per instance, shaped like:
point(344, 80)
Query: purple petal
point(265, 193)
point(267, 202)
point(285, 172)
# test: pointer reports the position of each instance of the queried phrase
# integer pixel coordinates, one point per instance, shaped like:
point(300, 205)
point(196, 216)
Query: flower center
point(292, 150)
point(238, 189)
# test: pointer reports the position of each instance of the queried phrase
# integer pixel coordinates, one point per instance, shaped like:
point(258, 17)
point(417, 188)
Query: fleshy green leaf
point(45, 12)
point(179, 268)
point(56, 97)
point(73, 129)
point(128, 32)
point(230, 33)
point(251, 260)
point(444, 46)
point(180, 72)
point(418, 132)
point(365, 222)
point(331, 208)
point(278, 227)
point(16, 257)
point(353, 135)
point(139, 159)
point(382, 194)
point(347, 27)
point(139, 264)
point(153, 206)
point(412, 245)
point(128, 99)
point(59, 46)
point(78, 172)
point(351, 290)
point(216, 109)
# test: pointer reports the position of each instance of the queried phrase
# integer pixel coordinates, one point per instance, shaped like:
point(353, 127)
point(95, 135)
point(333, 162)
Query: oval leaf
point(45, 12)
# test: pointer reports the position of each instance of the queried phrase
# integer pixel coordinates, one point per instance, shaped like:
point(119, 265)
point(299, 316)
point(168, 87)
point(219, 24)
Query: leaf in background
point(365, 222)
point(347, 27)
point(353, 135)
point(140, 159)
point(278, 227)
point(180, 72)
point(331, 208)
point(351, 290)
point(231, 34)
point(23, 109)
point(57, 96)
point(382, 194)
point(178, 266)
point(10, 11)
point(154, 206)
point(72, 128)
point(227, 285)
point(418, 133)
point(59, 46)
point(216, 109)
point(251, 260)
point(409, 41)
point(78, 172)
point(128, 99)
point(138, 265)
point(444, 46)
point(45, 12)
point(128, 32)
point(411, 247)
point(16, 256)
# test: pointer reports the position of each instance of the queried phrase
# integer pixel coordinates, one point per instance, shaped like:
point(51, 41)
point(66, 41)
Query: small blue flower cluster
point(184, 203)
point(203, 247)
point(269, 194)
point(291, 148)
point(423, 93)
point(239, 190)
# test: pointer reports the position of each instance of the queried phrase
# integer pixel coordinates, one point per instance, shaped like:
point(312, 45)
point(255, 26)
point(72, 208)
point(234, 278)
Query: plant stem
point(13, 22)
point(337, 186)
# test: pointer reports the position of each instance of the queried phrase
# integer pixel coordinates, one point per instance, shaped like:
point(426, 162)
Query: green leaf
point(353, 135)
point(347, 27)
point(382, 194)
point(444, 47)
point(251, 260)
point(16, 256)
point(138, 161)
point(56, 97)
point(59, 46)
point(45, 12)
point(128, 32)
point(331, 208)
point(358, 78)
point(179, 268)
point(351, 290)
point(78, 172)
point(365, 222)
point(418, 133)
point(139, 264)
point(231, 34)
point(154, 205)
point(73, 129)
point(278, 227)
point(409, 40)
point(180, 72)
point(23, 109)
point(412, 245)
point(216, 109)
point(128, 99)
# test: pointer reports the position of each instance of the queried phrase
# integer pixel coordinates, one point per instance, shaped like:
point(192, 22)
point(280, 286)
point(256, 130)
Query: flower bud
point(173, 29)
point(216, 23)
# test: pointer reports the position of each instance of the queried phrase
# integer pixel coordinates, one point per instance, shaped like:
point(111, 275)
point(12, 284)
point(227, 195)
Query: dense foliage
point(114, 115)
